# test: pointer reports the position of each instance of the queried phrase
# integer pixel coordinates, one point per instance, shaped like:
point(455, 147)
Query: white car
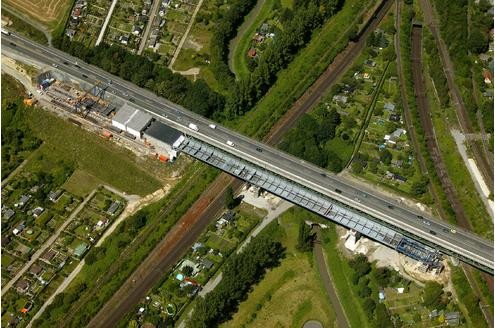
point(54, 65)
point(213, 126)
point(230, 143)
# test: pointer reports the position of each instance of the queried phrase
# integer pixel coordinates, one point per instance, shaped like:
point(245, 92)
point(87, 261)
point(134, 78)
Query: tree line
point(147, 73)
point(241, 272)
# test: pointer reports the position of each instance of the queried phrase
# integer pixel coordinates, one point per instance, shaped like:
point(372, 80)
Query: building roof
point(22, 284)
point(54, 195)
point(80, 249)
point(132, 118)
point(113, 207)
point(8, 214)
point(162, 132)
point(49, 255)
point(208, 264)
point(36, 269)
point(389, 106)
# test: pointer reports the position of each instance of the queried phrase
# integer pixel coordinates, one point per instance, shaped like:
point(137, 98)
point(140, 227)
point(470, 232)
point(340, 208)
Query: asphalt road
point(390, 211)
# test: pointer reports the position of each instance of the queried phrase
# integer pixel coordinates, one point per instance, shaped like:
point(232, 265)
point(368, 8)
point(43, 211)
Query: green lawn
point(289, 294)
point(81, 183)
point(341, 274)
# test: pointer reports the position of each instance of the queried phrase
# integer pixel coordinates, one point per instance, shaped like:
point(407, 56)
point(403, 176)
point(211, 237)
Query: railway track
point(429, 132)
point(432, 145)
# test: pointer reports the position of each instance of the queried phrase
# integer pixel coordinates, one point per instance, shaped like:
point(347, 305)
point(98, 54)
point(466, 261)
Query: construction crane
point(84, 103)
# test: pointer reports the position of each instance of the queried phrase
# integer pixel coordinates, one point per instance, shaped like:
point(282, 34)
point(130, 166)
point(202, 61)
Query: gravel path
point(341, 318)
point(105, 23)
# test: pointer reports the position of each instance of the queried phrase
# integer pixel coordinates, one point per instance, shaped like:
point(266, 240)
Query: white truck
point(230, 143)
point(193, 126)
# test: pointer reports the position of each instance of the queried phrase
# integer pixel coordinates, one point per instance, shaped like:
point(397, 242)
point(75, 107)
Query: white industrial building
point(131, 120)
point(162, 137)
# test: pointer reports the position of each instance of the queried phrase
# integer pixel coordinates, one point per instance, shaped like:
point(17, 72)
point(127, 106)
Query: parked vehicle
point(193, 127)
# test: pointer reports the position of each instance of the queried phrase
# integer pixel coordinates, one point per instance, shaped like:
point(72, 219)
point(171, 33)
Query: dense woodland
point(241, 272)
point(310, 136)
point(17, 139)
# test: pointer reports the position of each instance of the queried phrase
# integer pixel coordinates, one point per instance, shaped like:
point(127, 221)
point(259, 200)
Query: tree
point(382, 317)
point(369, 306)
point(230, 199)
point(364, 292)
point(305, 238)
point(432, 294)
point(421, 186)
point(386, 156)
point(382, 276)
point(357, 167)
point(477, 42)
point(187, 270)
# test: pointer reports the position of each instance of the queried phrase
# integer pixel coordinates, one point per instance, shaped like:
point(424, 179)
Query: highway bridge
point(426, 233)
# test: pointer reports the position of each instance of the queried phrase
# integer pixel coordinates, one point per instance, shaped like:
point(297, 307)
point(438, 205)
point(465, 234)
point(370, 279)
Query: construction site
point(93, 109)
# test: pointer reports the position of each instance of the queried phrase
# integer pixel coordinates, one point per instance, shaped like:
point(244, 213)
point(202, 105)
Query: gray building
point(162, 137)
point(131, 120)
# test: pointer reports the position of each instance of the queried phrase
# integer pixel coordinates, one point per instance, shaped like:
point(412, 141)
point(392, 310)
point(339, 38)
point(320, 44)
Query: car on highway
point(390, 206)
point(13, 44)
point(54, 65)
point(132, 100)
point(85, 76)
point(212, 126)
point(428, 223)
point(259, 149)
point(66, 63)
point(193, 127)
point(230, 143)
point(338, 191)
point(453, 231)
point(433, 233)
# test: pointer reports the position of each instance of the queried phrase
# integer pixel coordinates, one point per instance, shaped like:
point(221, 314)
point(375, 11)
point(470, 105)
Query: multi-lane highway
point(449, 239)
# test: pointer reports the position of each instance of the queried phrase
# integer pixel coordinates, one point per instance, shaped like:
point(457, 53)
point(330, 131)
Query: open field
point(291, 293)
point(48, 14)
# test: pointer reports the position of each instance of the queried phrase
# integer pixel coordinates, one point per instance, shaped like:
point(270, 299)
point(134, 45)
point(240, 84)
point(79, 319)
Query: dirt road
point(342, 321)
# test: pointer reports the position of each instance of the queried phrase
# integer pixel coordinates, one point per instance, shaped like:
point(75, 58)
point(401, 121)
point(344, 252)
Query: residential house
point(70, 32)
point(390, 107)
point(37, 211)
point(19, 229)
point(397, 163)
point(36, 270)
point(394, 118)
point(370, 63)
point(229, 216)
point(252, 53)
point(453, 318)
point(54, 196)
point(23, 201)
point(348, 89)
point(207, 264)
point(48, 256)
point(22, 286)
point(400, 178)
point(136, 30)
point(487, 76)
point(340, 99)
point(113, 207)
point(8, 214)
point(124, 39)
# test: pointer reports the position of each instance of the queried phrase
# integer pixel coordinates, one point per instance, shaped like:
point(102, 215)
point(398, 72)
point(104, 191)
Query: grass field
point(341, 274)
point(290, 294)
point(81, 183)
point(50, 14)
